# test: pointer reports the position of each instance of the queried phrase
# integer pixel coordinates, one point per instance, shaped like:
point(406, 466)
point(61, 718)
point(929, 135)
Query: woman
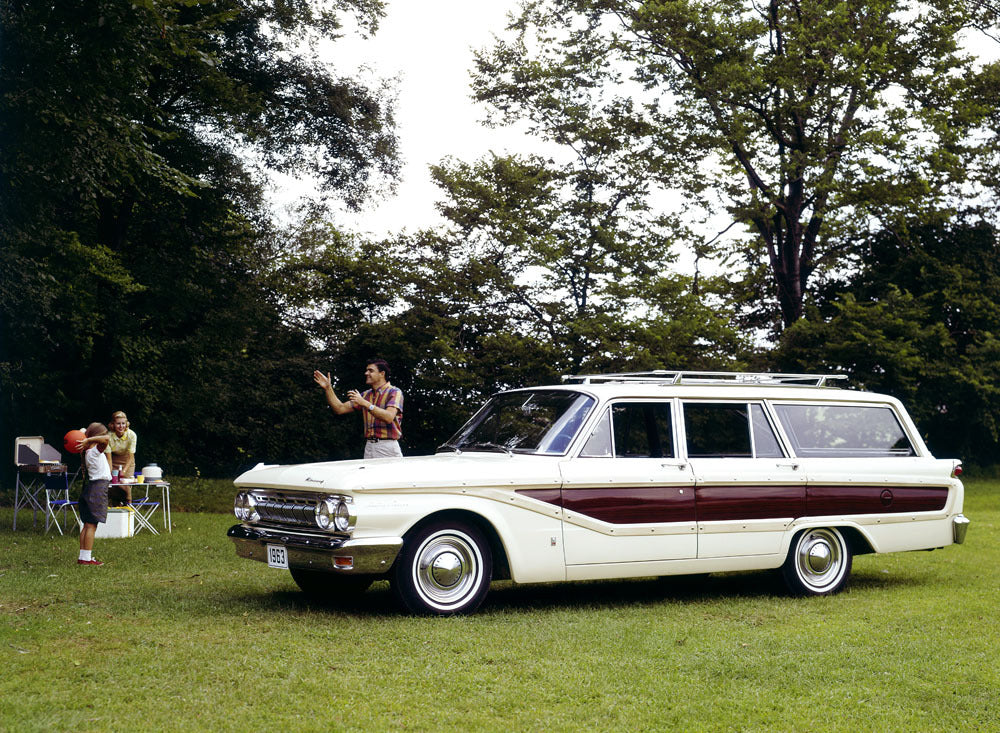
point(121, 448)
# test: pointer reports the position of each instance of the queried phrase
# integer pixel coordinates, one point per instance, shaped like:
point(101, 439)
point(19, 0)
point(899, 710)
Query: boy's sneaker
point(89, 562)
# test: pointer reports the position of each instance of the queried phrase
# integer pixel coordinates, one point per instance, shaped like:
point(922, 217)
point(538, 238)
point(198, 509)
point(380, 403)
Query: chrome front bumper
point(318, 552)
point(959, 526)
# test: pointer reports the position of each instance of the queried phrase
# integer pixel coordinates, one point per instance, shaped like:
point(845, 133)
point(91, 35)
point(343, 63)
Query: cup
point(139, 478)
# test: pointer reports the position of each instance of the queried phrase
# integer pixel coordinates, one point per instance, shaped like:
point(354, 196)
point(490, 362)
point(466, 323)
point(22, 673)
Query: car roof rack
point(666, 377)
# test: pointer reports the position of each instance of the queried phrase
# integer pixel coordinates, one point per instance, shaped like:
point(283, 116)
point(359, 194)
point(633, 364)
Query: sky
point(428, 46)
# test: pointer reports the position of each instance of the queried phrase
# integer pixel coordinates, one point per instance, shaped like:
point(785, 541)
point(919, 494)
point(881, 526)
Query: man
point(381, 408)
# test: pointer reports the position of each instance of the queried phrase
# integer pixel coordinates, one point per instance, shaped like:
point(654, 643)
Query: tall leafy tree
point(134, 238)
point(920, 319)
point(570, 255)
point(528, 281)
point(805, 121)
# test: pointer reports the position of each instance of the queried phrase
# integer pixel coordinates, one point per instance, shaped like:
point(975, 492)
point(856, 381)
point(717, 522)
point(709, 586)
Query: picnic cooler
point(120, 523)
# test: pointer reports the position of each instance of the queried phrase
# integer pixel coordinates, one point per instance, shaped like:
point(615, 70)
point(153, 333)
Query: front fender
point(530, 531)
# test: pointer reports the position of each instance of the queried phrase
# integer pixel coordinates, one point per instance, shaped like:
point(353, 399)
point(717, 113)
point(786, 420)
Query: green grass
point(176, 633)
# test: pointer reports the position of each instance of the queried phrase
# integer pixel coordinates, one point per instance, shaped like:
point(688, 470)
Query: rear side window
point(844, 431)
point(717, 431)
point(729, 430)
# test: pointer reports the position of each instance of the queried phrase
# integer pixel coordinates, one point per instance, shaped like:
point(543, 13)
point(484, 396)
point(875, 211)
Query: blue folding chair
point(57, 501)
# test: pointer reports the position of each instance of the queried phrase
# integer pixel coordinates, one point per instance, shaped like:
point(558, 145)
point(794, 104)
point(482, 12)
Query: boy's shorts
point(94, 502)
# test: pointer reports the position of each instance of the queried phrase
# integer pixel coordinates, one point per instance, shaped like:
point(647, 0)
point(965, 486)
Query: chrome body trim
point(318, 551)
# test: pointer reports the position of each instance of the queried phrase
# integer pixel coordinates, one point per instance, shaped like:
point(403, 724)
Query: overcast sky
point(428, 47)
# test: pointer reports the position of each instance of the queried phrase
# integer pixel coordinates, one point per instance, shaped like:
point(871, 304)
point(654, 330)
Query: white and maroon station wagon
point(615, 476)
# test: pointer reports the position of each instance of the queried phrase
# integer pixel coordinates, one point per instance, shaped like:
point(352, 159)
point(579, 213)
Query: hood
point(444, 470)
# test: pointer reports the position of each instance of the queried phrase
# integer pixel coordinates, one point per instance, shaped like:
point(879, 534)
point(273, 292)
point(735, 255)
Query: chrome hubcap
point(820, 558)
point(448, 569)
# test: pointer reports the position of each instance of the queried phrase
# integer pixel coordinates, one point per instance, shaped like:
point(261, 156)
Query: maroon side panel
point(631, 505)
point(549, 496)
point(642, 504)
point(723, 503)
point(822, 500)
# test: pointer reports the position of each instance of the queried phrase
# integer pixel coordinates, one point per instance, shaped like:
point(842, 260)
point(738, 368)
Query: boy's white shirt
point(97, 464)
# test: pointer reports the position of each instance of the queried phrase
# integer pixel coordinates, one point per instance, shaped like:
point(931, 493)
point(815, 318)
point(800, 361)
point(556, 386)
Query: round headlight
point(251, 509)
point(324, 513)
point(342, 519)
point(239, 506)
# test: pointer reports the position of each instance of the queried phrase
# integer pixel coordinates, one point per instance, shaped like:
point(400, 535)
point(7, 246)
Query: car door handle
point(680, 465)
point(793, 466)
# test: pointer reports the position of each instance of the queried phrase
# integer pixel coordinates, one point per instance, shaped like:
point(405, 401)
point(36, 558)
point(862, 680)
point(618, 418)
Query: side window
point(765, 442)
point(717, 430)
point(639, 430)
point(841, 431)
point(598, 445)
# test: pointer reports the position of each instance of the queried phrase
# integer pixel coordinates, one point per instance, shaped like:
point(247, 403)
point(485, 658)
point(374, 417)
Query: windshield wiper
point(447, 446)
point(493, 446)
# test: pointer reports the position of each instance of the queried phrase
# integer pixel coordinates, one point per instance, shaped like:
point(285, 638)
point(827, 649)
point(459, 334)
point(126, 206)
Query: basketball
point(71, 439)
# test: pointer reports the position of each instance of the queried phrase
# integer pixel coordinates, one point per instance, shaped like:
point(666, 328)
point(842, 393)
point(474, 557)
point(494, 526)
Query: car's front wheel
point(444, 568)
point(330, 587)
point(818, 563)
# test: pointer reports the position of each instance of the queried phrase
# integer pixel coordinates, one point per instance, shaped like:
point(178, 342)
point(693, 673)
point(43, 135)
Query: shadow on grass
point(507, 597)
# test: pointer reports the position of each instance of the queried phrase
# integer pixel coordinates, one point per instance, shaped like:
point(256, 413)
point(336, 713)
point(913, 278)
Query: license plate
point(277, 556)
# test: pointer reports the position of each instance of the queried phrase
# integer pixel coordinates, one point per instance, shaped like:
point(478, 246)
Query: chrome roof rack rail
point(667, 377)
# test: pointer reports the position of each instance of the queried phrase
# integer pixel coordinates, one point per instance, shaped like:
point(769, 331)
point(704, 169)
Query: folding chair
point(57, 501)
point(143, 509)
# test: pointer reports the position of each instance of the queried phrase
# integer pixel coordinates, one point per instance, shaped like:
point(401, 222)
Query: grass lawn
point(176, 633)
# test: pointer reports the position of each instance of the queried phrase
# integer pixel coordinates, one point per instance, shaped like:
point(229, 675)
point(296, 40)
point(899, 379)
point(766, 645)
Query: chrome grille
point(286, 510)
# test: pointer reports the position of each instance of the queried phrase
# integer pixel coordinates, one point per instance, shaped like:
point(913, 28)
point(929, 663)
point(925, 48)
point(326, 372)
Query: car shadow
point(630, 592)
point(507, 597)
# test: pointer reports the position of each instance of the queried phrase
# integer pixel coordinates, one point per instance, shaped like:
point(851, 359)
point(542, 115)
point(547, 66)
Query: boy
point(94, 499)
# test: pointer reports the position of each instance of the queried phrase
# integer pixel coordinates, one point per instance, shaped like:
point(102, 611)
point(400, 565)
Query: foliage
point(540, 271)
point(919, 320)
point(135, 246)
point(804, 121)
point(571, 255)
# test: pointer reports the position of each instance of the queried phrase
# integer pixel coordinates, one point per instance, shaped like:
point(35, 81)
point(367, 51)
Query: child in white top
point(94, 499)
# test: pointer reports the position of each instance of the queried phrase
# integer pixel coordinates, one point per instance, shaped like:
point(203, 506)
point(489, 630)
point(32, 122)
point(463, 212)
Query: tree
point(919, 320)
point(806, 120)
point(539, 272)
point(570, 254)
point(135, 243)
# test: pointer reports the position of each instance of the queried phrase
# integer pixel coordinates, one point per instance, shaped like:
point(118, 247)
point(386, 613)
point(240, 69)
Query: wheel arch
point(859, 542)
point(501, 564)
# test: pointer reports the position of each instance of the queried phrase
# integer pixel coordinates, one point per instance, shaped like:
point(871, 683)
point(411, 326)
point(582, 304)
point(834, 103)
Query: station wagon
point(615, 476)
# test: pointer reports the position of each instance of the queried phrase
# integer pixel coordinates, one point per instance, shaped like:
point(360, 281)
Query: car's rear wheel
point(444, 568)
point(325, 586)
point(818, 563)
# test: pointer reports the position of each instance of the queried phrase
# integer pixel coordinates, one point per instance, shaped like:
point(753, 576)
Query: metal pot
point(152, 472)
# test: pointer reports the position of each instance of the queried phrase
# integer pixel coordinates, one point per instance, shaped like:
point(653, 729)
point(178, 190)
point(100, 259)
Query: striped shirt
point(387, 396)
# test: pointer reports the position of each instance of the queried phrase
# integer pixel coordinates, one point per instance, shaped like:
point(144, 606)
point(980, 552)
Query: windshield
point(532, 421)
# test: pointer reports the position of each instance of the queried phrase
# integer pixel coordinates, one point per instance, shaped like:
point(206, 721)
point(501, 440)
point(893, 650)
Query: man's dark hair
point(381, 364)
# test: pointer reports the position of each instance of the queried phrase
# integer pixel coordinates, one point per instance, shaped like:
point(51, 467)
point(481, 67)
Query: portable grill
point(40, 475)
